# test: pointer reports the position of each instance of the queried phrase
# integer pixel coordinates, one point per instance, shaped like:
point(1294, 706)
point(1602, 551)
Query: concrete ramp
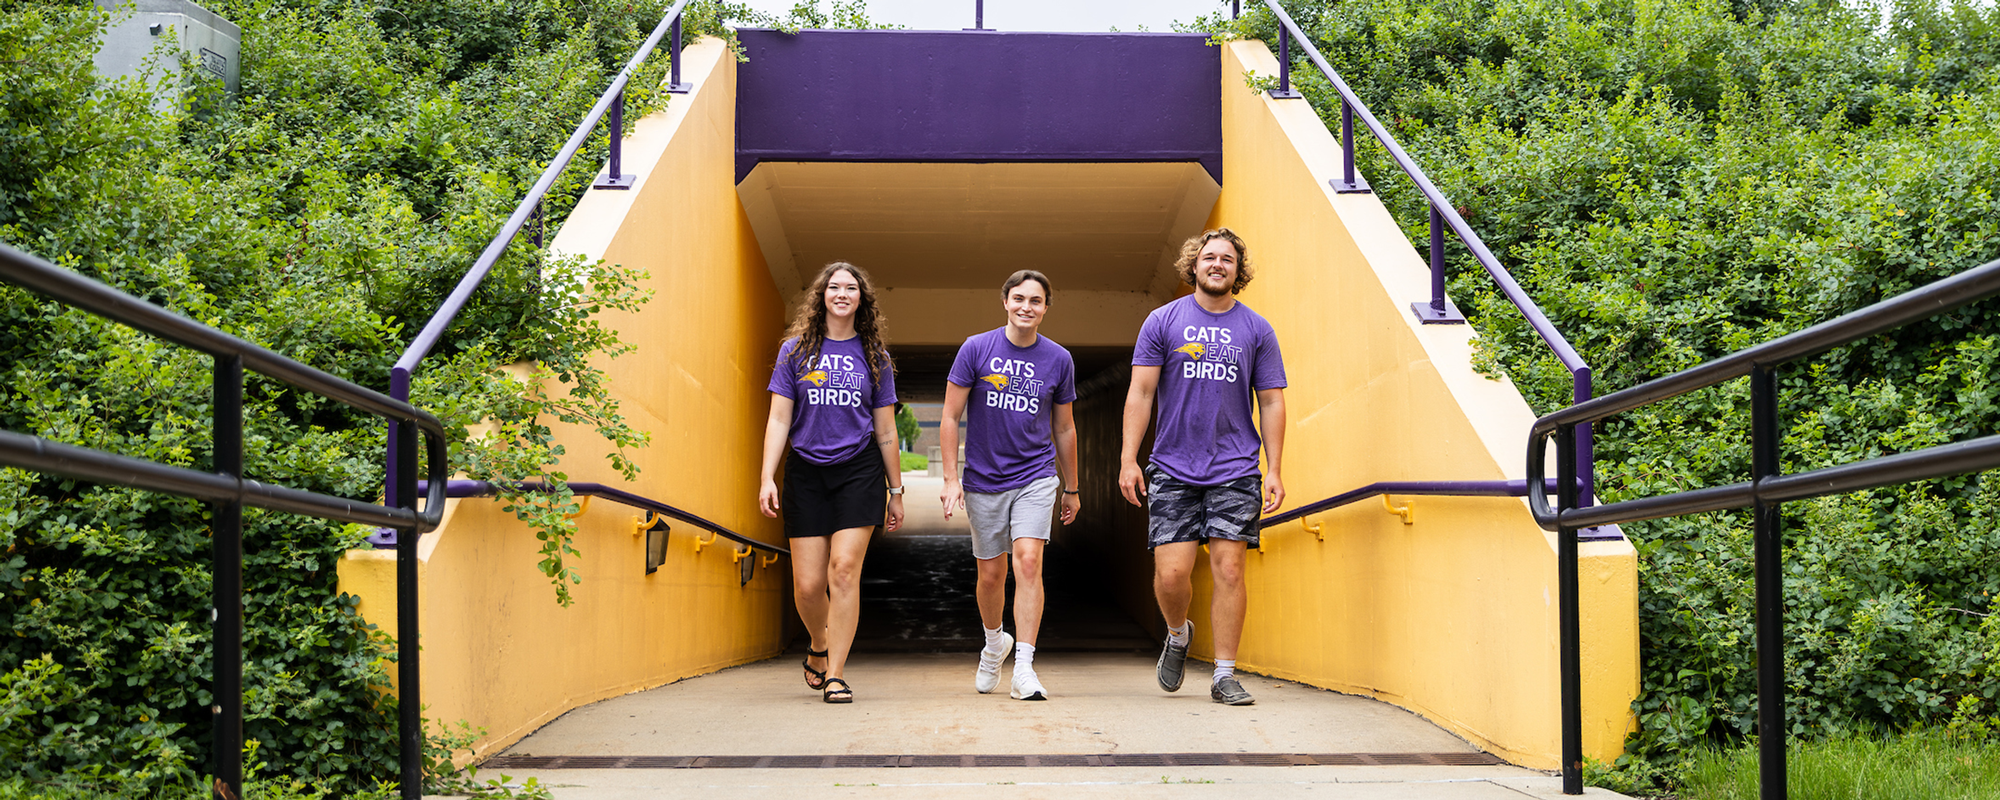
point(917, 729)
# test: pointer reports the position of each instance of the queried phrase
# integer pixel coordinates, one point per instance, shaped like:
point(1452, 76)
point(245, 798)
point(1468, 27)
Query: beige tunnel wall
point(498, 652)
point(1454, 616)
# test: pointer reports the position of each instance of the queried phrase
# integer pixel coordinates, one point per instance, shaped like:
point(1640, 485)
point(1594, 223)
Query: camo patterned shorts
point(1177, 511)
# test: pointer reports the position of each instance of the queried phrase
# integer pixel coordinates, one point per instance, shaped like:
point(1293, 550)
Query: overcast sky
point(1026, 15)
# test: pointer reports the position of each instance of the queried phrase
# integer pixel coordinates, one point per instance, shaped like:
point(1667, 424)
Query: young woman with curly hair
point(833, 401)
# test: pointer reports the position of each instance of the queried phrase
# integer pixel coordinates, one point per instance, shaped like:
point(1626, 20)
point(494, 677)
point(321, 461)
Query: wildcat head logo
point(1193, 349)
point(816, 377)
point(999, 381)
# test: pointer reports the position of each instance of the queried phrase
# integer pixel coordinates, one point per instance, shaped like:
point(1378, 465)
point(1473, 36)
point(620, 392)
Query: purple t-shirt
point(1010, 411)
point(1211, 366)
point(832, 401)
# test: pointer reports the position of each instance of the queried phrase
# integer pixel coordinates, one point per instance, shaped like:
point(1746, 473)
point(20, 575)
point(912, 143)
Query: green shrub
point(1674, 181)
point(324, 213)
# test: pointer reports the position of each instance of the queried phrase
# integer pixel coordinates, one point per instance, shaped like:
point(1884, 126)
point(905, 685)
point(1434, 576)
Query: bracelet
point(895, 490)
point(1072, 491)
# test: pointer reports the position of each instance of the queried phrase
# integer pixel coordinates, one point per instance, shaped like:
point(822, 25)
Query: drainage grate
point(1002, 761)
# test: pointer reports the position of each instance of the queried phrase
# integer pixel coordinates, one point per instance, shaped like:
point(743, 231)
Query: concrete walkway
point(922, 704)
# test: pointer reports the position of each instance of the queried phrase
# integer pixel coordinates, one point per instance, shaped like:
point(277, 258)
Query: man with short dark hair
point(1020, 455)
point(1205, 357)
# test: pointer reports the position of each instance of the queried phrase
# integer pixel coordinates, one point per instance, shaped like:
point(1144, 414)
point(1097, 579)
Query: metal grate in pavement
point(977, 760)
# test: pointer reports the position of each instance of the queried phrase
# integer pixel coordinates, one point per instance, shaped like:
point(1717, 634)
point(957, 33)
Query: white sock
point(1225, 668)
point(993, 638)
point(1179, 636)
point(1024, 657)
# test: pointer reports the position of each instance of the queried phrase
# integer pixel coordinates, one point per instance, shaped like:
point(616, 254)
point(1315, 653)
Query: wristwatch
point(895, 490)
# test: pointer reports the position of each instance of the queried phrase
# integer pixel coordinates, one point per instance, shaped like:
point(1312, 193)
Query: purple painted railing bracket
point(1432, 316)
point(1359, 186)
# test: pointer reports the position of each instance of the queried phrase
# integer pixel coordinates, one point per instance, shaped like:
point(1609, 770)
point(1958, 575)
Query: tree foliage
point(323, 212)
point(1674, 180)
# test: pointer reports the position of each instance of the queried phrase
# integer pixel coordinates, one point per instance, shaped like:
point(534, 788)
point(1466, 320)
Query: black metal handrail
point(226, 486)
point(1419, 489)
point(1442, 215)
point(1764, 492)
point(463, 488)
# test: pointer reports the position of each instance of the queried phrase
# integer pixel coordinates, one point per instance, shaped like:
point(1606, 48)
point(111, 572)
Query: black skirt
point(819, 500)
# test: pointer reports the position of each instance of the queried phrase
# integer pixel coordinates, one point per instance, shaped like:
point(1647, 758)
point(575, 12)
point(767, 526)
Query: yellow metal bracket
point(766, 561)
point(1408, 511)
point(581, 507)
point(738, 555)
point(1317, 529)
point(700, 543)
point(645, 523)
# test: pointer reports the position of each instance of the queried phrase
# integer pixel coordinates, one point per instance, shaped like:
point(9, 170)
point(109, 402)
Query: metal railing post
point(1571, 667)
point(1235, 8)
point(614, 175)
point(1438, 310)
point(409, 702)
point(1586, 447)
point(226, 546)
point(1348, 183)
point(674, 84)
point(1767, 542)
point(978, 15)
point(1437, 262)
point(1285, 90)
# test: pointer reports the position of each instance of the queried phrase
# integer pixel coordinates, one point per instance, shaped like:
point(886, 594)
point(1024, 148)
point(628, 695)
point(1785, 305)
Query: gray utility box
point(205, 40)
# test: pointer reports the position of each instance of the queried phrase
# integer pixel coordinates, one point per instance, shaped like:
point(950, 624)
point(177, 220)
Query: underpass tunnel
point(941, 162)
point(938, 240)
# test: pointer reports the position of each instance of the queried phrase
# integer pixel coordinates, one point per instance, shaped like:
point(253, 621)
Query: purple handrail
point(1436, 310)
point(613, 99)
point(461, 488)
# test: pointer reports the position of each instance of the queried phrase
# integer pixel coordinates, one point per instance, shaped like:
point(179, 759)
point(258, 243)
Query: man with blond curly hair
point(1205, 357)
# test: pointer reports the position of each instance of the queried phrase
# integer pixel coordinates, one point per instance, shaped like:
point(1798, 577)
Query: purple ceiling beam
point(978, 96)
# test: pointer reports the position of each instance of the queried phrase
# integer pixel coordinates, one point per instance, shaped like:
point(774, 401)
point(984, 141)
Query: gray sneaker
point(1173, 663)
point(1229, 693)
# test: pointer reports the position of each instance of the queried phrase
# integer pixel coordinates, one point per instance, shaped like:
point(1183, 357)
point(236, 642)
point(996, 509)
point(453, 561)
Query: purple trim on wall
point(978, 96)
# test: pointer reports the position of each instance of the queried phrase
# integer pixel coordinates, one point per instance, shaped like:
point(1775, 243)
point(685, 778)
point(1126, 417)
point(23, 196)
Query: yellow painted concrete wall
point(1453, 617)
point(498, 651)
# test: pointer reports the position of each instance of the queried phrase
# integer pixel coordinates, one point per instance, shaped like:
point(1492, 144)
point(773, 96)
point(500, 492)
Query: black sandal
point(815, 678)
point(844, 694)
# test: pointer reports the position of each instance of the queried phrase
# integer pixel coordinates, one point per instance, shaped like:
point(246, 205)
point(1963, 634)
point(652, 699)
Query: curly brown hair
point(809, 323)
point(1191, 251)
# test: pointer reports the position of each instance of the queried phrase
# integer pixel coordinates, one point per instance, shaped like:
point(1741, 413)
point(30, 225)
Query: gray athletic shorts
point(1020, 513)
point(1182, 512)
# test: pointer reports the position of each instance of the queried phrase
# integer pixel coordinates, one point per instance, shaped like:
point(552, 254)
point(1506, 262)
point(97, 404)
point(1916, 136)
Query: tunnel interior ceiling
point(939, 238)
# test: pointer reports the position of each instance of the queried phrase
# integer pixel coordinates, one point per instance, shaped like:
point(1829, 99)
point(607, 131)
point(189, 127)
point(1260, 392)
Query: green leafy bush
point(324, 212)
point(1673, 181)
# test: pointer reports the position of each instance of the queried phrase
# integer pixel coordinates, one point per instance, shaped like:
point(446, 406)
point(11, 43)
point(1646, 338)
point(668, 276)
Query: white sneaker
point(988, 678)
point(1028, 687)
